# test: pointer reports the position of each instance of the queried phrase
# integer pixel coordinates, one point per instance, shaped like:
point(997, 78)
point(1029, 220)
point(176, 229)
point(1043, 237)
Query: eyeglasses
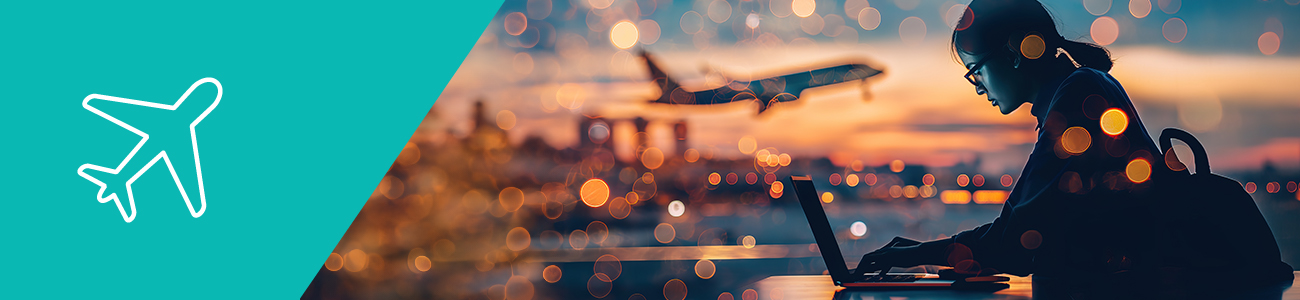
point(970, 75)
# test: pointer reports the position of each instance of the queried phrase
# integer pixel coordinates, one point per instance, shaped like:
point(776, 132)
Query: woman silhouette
point(1079, 218)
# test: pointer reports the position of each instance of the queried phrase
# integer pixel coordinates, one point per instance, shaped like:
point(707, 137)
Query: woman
point(1079, 218)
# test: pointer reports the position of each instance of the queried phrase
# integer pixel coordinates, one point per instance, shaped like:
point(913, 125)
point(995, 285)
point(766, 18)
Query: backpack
point(1214, 229)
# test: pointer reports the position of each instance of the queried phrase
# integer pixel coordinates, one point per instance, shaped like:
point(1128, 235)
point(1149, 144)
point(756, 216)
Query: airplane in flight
point(767, 92)
point(167, 134)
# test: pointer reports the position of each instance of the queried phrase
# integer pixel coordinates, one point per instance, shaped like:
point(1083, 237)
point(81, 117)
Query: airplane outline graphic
point(194, 142)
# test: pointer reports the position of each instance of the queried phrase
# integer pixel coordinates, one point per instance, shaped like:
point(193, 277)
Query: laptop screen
point(821, 228)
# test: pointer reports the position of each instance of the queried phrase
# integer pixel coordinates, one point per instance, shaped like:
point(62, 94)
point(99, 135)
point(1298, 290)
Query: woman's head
point(1010, 46)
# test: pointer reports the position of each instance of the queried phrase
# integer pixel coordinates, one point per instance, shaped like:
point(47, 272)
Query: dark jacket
point(1085, 210)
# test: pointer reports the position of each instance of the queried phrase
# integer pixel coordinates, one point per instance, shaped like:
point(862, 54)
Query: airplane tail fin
point(661, 79)
point(112, 187)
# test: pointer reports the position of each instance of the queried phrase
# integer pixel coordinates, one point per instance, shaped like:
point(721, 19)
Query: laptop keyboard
point(892, 278)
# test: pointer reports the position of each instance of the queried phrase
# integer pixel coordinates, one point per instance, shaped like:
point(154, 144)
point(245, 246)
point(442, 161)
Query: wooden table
point(796, 287)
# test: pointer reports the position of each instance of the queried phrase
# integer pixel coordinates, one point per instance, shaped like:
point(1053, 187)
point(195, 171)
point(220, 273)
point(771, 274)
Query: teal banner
point(205, 149)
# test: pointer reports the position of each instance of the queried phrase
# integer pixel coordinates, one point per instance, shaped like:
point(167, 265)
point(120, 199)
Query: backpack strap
point(1201, 159)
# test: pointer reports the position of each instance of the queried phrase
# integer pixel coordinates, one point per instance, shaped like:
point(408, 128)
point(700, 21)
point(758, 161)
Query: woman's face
point(997, 79)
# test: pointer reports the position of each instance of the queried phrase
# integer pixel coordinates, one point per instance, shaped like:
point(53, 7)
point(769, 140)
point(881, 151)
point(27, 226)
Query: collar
point(1046, 95)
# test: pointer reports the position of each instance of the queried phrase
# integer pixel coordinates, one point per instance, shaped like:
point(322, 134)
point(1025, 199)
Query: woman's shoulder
point(1086, 83)
point(1087, 78)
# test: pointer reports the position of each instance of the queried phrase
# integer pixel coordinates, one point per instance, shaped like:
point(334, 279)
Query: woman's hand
point(902, 252)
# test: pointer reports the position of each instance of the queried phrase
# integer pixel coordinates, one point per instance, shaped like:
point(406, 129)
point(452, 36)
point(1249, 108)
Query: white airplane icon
point(194, 107)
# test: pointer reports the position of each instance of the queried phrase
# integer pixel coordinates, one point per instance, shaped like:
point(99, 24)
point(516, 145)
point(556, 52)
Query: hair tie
point(1060, 50)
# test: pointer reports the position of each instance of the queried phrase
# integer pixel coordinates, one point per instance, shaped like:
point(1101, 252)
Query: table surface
point(794, 287)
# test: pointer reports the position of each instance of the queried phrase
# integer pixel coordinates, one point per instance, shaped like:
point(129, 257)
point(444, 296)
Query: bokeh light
point(595, 192)
point(652, 158)
point(578, 239)
point(715, 178)
point(598, 232)
point(665, 233)
point(1104, 31)
point(927, 179)
point(619, 208)
point(955, 197)
point(836, 179)
point(869, 18)
point(624, 34)
point(851, 180)
point(515, 23)
point(334, 262)
point(827, 197)
point(1031, 239)
point(1097, 7)
point(519, 288)
point(1250, 187)
point(675, 289)
point(1138, 170)
point(600, 4)
point(599, 285)
point(691, 22)
point(726, 296)
point(1113, 122)
point(552, 274)
point(912, 31)
point(803, 8)
point(1006, 180)
point(1174, 30)
point(511, 198)
point(749, 294)
point(691, 155)
point(897, 166)
point(719, 11)
point(649, 30)
point(1139, 8)
point(990, 196)
point(676, 208)
point(777, 189)
point(978, 180)
point(812, 25)
point(1032, 46)
point(748, 242)
point(963, 180)
point(1269, 43)
point(747, 145)
point(1170, 6)
point(609, 265)
point(705, 269)
point(518, 239)
point(423, 263)
point(356, 260)
point(781, 8)
point(910, 191)
point(858, 229)
point(1075, 140)
point(570, 96)
point(523, 65)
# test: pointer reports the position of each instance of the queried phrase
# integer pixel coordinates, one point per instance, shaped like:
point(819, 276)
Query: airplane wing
point(134, 115)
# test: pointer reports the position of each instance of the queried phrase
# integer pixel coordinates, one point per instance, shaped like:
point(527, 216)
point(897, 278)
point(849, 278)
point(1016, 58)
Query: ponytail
point(1089, 55)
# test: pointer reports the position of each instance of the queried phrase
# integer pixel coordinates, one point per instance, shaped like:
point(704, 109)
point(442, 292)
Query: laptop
point(879, 279)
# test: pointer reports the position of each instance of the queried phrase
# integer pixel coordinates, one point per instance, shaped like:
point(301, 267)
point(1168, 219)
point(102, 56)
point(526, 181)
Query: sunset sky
point(1220, 80)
